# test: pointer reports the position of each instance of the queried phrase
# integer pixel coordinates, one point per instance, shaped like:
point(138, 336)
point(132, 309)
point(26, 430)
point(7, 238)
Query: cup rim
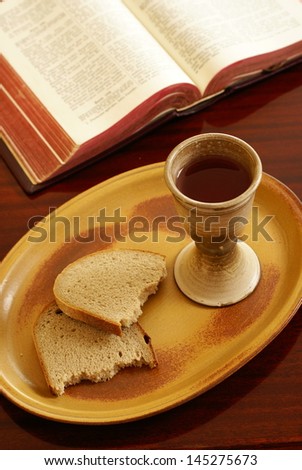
point(240, 199)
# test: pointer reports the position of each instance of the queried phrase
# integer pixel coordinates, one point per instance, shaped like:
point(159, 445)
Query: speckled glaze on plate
point(197, 347)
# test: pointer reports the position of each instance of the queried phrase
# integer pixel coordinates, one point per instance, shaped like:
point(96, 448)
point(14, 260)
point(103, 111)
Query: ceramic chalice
point(213, 178)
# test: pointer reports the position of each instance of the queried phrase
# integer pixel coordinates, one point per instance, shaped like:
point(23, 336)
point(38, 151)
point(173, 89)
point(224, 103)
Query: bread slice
point(71, 351)
point(107, 289)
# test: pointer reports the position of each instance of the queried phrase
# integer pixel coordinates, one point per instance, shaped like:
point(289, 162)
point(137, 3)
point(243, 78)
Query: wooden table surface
point(259, 406)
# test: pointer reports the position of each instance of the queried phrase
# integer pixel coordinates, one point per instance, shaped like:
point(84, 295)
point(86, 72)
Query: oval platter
point(197, 347)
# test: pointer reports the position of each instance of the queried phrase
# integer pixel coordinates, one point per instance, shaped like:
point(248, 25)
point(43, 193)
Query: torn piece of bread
point(71, 351)
point(107, 289)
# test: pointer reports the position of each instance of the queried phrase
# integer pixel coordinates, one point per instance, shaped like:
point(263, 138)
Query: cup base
point(220, 280)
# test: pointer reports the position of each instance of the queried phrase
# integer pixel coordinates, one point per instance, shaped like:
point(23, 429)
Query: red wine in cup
point(213, 179)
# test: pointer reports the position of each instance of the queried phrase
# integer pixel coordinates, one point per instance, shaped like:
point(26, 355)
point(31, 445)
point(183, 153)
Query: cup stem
point(217, 280)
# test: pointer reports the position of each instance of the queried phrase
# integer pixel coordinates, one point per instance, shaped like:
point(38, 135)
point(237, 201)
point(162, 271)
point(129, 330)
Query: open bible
point(81, 77)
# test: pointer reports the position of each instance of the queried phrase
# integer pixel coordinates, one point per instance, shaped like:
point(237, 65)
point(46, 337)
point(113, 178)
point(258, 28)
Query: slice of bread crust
point(107, 289)
point(70, 351)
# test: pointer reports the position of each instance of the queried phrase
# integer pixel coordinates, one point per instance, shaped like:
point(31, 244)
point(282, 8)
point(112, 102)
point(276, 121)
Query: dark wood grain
point(259, 406)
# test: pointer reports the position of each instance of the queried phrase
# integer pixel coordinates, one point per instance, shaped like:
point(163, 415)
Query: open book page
point(205, 37)
point(89, 62)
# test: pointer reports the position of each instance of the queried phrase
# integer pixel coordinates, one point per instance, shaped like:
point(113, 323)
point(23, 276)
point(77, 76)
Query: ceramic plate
point(197, 347)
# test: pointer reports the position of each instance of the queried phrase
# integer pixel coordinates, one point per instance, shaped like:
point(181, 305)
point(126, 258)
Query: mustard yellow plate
point(197, 347)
